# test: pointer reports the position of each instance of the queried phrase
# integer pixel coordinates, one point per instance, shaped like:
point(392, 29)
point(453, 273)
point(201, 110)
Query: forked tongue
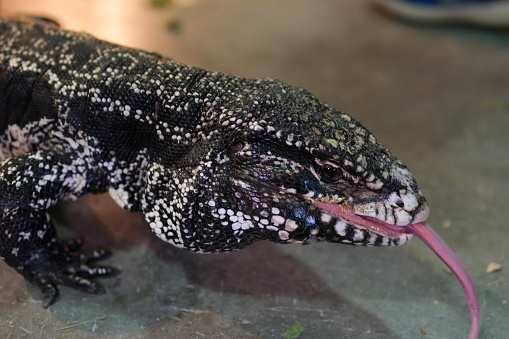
point(437, 245)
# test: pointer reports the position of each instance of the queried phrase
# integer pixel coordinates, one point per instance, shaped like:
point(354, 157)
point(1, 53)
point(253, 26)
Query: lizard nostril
point(400, 203)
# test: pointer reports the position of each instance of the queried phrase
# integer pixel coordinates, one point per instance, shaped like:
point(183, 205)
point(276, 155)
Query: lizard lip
point(371, 223)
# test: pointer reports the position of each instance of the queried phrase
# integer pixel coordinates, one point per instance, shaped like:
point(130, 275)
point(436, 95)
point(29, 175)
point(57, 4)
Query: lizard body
point(214, 162)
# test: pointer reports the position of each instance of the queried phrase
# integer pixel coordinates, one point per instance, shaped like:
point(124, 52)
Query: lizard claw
point(64, 264)
point(49, 291)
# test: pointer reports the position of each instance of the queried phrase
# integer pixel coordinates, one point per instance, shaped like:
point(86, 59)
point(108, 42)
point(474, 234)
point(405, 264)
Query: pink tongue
point(437, 245)
point(432, 240)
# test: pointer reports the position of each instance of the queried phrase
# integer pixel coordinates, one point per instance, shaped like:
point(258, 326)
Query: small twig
point(27, 331)
point(83, 323)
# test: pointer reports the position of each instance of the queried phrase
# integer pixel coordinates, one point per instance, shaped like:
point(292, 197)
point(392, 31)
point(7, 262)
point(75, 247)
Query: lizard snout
point(400, 208)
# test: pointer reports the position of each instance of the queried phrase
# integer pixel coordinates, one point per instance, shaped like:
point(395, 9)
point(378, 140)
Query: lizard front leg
point(29, 185)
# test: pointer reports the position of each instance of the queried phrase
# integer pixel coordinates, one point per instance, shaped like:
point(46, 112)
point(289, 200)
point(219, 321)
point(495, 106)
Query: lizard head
point(305, 172)
point(292, 169)
point(286, 167)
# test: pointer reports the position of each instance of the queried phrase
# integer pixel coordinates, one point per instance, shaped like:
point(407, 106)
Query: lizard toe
point(49, 290)
point(93, 255)
point(94, 272)
point(80, 283)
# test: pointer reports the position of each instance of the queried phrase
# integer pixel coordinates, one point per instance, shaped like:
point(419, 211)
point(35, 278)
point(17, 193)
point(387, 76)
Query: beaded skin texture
point(213, 161)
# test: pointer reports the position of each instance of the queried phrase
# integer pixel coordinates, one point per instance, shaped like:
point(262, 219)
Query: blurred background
point(436, 95)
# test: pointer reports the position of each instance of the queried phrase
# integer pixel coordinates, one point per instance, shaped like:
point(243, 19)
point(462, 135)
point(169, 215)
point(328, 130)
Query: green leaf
point(294, 332)
point(174, 25)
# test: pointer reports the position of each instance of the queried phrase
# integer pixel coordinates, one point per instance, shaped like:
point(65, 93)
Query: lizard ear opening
point(235, 147)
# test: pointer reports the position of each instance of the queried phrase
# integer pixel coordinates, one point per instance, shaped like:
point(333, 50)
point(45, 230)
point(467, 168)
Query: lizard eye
point(330, 173)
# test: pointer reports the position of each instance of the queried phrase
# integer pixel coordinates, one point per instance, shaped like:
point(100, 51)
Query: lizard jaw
point(370, 223)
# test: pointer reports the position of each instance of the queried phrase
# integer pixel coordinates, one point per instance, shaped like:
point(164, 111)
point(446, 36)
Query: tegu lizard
point(213, 161)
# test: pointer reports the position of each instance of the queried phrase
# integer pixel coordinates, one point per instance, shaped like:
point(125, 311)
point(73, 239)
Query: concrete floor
point(437, 96)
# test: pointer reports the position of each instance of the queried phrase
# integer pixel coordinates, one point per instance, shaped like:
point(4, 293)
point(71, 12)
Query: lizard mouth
point(369, 223)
